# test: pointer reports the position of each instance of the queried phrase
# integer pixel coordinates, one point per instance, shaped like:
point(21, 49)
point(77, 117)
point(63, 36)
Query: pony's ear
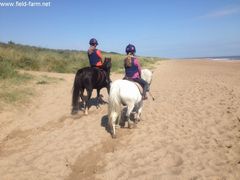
point(107, 59)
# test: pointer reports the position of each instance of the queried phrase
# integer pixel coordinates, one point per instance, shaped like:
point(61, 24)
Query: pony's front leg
point(99, 98)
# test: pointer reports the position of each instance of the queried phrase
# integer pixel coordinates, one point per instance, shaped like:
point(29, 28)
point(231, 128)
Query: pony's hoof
point(122, 124)
point(74, 112)
point(114, 136)
point(86, 112)
point(132, 125)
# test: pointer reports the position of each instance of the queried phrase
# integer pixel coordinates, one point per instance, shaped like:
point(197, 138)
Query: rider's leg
point(144, 85)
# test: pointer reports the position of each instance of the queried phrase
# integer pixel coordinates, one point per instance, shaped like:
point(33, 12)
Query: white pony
point(126, 93)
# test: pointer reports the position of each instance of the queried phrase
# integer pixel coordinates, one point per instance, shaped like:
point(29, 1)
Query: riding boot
point(145, 89)
point(148, 87)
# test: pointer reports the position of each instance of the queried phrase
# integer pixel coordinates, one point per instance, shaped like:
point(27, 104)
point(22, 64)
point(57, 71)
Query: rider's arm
point(138, 66)
point(99, 54)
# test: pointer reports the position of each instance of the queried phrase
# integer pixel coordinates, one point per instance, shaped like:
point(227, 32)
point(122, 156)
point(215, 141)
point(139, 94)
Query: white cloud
point(222, 13)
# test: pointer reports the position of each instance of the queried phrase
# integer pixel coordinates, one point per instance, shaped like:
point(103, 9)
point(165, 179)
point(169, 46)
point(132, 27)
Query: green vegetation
point(42, 59)
point(6, 69)
point(51, 60)
point(16, 87)
point(12, 84)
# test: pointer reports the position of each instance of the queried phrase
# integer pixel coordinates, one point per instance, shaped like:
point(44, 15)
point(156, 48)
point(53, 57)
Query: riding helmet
point(93, 42)
point(130, 49)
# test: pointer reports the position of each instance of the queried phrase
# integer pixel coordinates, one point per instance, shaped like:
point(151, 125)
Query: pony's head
point(146, 75)
point(107, 64)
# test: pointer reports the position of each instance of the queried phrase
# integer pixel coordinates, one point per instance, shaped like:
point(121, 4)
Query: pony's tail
point(76, 91)
point(114, 105)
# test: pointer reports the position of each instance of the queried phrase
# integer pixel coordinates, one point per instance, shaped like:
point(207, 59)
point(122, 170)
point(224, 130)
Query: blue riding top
point(134, 70)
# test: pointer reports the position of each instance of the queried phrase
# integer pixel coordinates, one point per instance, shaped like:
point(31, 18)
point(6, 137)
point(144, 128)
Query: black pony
point(90, 78)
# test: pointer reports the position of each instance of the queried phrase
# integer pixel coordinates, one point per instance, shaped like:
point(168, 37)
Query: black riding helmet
point(130, 49)
point(93, 42)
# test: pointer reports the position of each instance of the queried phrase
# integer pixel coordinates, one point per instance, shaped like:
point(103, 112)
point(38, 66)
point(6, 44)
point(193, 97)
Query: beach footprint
point(172, 163)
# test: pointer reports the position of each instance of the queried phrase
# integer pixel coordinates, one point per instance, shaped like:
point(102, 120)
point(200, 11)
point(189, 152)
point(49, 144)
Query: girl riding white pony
point(127, 93)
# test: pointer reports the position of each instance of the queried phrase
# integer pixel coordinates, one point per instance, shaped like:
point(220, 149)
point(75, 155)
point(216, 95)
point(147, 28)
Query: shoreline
point(209, 59)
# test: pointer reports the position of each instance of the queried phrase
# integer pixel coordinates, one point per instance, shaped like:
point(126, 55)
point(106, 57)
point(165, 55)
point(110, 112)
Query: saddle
point(139, 86)
point(101, 75)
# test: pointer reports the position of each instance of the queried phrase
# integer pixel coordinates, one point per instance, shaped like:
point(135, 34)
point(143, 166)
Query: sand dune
point(190, 131)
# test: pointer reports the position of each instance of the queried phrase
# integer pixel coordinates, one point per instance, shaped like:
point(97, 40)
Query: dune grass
point(62, 61)
point(41, 59)
point(15, 86)
point(11, 83)
point(18, 88)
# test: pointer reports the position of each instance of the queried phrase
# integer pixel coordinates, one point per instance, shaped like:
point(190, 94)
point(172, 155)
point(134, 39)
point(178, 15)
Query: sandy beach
point(191, 130)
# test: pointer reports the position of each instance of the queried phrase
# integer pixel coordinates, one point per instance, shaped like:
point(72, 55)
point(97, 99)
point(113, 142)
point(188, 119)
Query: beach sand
point(190, 131)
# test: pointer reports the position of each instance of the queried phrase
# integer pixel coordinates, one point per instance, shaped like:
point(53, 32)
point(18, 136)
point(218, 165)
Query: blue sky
point(174, 28)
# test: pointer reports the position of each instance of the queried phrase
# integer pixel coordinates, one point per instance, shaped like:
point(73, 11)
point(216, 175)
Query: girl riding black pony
point(90, 78)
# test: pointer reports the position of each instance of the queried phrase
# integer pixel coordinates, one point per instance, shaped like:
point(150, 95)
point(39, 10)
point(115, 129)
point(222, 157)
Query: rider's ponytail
point(128, 59)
